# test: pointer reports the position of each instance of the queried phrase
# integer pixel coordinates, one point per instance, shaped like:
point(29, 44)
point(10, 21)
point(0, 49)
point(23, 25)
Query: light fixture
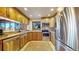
point(39, 15)
point(52, 9)
point(47, 19)
point(30, 15)
point(60, 9)
point(25, 9)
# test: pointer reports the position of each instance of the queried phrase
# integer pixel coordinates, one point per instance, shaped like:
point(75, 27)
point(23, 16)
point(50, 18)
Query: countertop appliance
point(1, 31)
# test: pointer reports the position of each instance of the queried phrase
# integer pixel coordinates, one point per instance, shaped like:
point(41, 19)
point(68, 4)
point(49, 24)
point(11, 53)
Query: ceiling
point(38, 12)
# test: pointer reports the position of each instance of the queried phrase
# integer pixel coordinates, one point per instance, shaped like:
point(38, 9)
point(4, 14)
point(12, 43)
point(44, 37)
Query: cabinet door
point(29, 36)
point(34, 36)
point(12, 14)
point(3, 11)
point(53, 39)
point(8, 45)
point(39, 36)
point(11, 44)
point(0, 45)
point(16, 43)
point(21, 41)
point(25, 39)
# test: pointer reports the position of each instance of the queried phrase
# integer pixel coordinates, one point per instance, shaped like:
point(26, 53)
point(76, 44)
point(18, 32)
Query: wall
point(51, 22)
point(29, 25)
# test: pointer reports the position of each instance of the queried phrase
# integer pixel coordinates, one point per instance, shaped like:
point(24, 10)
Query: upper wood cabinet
point(13, 14)
point(3, 11)
point(52, 22)
point(19, 17)
point(25, 20)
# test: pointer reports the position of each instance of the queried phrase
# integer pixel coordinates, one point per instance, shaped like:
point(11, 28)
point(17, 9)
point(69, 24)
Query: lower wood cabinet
point(29, 36)
point(17, 42)
point(39, 36)
point(1, 44)
point(14, 43)
point(53, 39)
point(21, 41)
point(11, 44)
point(34, 36)
point(25, 39)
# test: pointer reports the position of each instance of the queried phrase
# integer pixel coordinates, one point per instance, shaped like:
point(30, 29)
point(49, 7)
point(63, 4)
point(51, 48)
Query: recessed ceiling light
point(60, 9)
point(30, 15)
point(39, 15)
point(48, 14)
point(25, 9)
point(47, 20)
point(52, 9)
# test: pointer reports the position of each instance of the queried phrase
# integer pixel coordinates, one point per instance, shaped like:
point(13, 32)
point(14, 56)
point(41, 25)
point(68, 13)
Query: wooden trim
point(50, 17)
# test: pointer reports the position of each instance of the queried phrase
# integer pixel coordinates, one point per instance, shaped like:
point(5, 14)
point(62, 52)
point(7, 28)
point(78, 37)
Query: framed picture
point(36, 25)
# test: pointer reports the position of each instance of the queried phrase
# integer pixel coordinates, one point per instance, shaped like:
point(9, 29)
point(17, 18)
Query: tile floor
point(38, 46)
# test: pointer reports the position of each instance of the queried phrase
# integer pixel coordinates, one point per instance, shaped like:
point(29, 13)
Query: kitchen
point(38, 29)
point(16, 29)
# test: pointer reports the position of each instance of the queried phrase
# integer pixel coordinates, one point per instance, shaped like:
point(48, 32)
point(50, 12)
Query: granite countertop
point(8, 35)
point(35, 31)
point(13, 34)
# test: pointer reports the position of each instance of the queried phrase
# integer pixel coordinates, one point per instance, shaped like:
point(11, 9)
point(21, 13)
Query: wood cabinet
point(52, 38)
point(52, 22)
point(34, 36)
point(29, 36)
point(22, 41)
point(3, 11)
point(14, 43)
point(39, 35)
point(1, 45)
point(11, 44)
point(25, 39)
point(13, 14)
